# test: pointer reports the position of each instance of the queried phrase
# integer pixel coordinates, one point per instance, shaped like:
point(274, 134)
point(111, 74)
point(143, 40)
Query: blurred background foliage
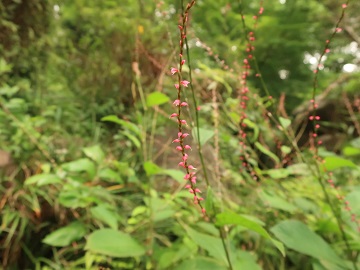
point(88, 175)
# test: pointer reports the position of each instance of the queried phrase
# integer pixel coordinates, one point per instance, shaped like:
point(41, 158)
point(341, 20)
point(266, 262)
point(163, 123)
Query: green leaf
point(95, 153)
point(350, 151)
point(43, 179)
point(209, 202)
point(151, 168)
point(156, 98)
point(103, 214)
point(284, 122)
point(80, 165)
point(297, 236)
point(114, 244)
point(175, 174)
point(125, 124)
point(285, 149)
point(335, 162)
point(277, 202)
point(277, 173)
point(211, 244)
point(110, 175)
point(267, 152)
point(229, 218)
point(66, 235)
point(253, 126)
point(205, 135)
point(201, 263)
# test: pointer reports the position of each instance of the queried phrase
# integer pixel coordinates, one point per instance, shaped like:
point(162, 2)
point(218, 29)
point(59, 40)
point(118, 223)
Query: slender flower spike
point(173, 70)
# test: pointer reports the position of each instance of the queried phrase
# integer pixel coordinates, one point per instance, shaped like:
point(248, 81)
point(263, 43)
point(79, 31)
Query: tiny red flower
point(177, 102)
point(173, 70)
point(187, 147)
point(185, 83)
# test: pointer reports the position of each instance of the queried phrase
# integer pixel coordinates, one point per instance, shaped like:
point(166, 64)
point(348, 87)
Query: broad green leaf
point(175, 174)
point(80, 196)
point(95, 153)
point(151, 168)
point(205, 135)
point(211, 244)
point(335, 162)
point(229, 218)
point(350, 151)
point(285, 149)
point(297, 236)
point(156, 98)
point(267, 152)
point(284, 122)
point(201, 263)
point(103, 214)
point(277, 173)
point(43, 179)
point(276, 201)
point(66, 235)
point(125, 124)
point(245, 260)
point(250, 223)
point(80, 165)
point(113, 243)
point(161, 209)
point(110, 175)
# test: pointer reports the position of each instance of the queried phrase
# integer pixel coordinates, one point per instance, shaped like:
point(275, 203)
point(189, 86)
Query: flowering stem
point(222, 231)
point(182, 147)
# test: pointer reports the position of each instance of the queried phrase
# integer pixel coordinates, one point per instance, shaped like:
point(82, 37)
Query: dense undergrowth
point(89, 169)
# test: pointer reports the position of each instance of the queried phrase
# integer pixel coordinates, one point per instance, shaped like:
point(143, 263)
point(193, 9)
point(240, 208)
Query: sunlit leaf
point(156, 98)
point(66, 235)
point(43, 179)
point(205, 135)
point(113, 243)
point(103, 214)
point(297, 236)
point(95, 153)
point(335, 162)
point(228, 218)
